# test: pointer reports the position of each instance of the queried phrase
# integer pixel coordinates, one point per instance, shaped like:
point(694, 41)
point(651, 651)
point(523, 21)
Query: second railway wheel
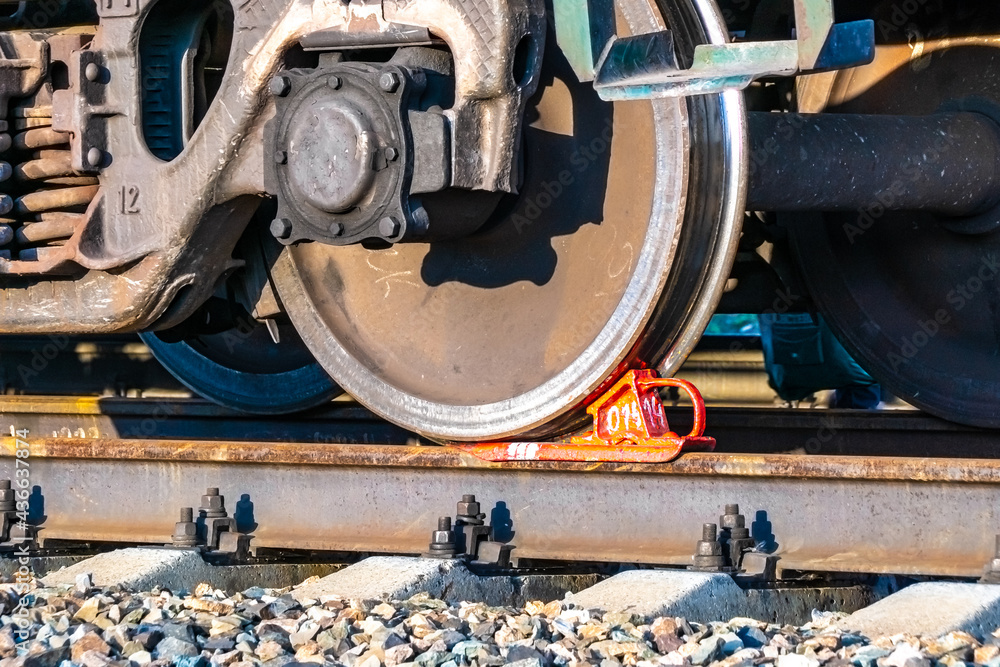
point(243, 369)
point(615, 252)
point(915, 299)
point(225, 354)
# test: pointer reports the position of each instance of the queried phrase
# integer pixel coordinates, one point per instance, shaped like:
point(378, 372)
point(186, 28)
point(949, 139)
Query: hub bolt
point(281, 157)
point(280, 86)
point(391, 154)
point(281, 228)
point(185, 530)
point(389, 82)
point(388, 227)
point(443, 543)
point(336, 229)
point(335, 82)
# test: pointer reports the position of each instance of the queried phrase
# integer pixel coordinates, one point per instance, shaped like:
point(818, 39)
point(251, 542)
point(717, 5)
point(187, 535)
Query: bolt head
point(336, 229)
point(335, 82)
point(281, 228)
point(92, 72)
point(391, 154)
point(388, 227)
point(281, 157)
point(280, 86)
point(95, 156)
point(389, 82)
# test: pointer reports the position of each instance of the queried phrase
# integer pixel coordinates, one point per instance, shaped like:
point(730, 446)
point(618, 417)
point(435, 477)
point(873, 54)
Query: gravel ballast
point(86, 626)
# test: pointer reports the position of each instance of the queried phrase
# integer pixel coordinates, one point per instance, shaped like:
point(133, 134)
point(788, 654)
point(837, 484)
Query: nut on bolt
point(213, 505)
point(443, 543)
point(185, 530)
point(708, 554)
point(734, 534)
point(389, 82)
point(468, 511)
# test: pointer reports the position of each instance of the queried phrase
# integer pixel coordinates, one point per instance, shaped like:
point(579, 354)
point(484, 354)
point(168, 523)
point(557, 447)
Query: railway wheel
point(915, 299)
point(243, 369)
point(614, 253)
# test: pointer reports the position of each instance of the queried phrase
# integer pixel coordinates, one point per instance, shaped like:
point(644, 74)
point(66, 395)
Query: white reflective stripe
point(522, 451)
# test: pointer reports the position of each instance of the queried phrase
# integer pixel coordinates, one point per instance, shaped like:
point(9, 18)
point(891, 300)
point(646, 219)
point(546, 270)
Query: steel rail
point(819, 513)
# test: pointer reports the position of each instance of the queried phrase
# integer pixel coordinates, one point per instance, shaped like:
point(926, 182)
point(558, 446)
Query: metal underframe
point(833, 514)
point(174, 224)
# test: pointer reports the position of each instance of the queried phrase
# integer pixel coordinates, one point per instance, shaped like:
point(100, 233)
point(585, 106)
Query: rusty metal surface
point(778, 466)
point(916, 516)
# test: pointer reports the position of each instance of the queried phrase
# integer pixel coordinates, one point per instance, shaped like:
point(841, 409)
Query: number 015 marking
point(118, 7)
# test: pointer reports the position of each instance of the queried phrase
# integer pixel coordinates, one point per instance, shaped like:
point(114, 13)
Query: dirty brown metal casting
point(158, 225)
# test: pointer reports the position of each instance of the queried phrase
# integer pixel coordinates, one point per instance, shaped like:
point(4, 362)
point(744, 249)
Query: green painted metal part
point(583, 30)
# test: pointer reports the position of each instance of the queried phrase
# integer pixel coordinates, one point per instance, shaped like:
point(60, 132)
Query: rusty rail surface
point(819, 513)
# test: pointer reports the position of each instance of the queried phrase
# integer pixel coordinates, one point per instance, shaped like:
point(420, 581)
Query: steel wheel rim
point(638, 329)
